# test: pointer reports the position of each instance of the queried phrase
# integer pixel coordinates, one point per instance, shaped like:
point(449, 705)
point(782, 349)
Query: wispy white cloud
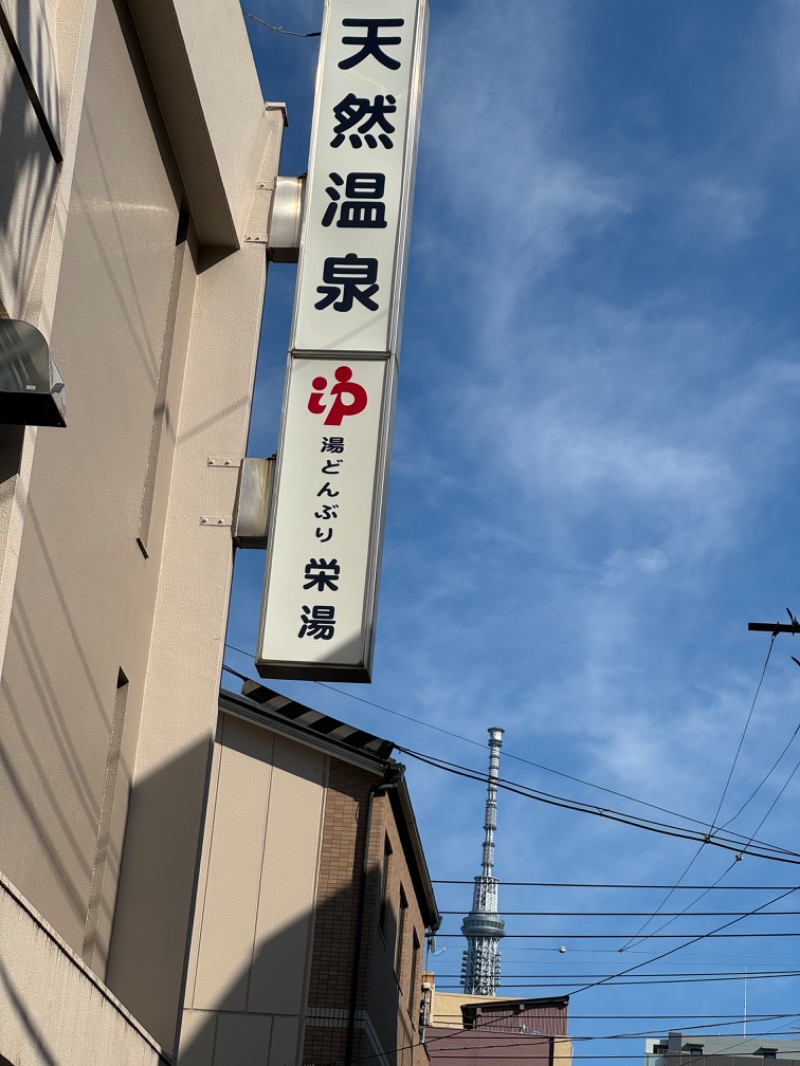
point(496, 147)
point(717, 209)
point(596, 436)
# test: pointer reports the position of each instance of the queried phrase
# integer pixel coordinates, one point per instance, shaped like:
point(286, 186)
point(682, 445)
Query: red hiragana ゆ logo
point(346, 397)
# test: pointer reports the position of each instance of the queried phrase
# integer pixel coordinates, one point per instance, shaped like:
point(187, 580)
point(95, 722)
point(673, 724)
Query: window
point(413, 981)
point(384, 886)
point(401, 929)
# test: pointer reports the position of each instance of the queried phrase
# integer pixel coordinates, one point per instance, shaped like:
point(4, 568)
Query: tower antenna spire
point(483, 927)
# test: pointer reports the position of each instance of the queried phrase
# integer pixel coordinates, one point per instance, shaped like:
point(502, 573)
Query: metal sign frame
point(319, 603)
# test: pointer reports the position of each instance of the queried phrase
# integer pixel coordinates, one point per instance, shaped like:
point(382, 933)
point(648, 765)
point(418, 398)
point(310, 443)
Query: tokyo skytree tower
point(483, 927)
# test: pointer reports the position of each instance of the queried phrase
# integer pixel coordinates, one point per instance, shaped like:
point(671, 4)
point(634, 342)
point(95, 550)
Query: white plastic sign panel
point(326, 520)
point(363, 153)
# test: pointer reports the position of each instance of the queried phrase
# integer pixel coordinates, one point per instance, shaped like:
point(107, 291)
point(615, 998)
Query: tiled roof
point(323, 725)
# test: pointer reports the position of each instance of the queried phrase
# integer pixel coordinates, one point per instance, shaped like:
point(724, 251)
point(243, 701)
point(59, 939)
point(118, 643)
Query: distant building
point(686, 1049)
point(473, 1031)
point(314, 897)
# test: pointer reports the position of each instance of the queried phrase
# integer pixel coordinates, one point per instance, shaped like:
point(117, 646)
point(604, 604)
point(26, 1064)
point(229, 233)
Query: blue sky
point(594, 480)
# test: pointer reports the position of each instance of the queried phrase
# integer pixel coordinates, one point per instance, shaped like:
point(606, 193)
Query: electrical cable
point(694, 940)
point(783, 789)
point(488, 1027)
point(507, 754)
point(745, 849)
point(452, 1036)
point(660, 936)
point(677, 1026)
point(744, 731)
point(735, 843)
point(732, 842)
point(765, 850)
point(710, 1019)
point(766, 777)
point(621, 914)
point(556, 801)
point(279, 29)
point(612, 885)
point(638, 938)
point(696, 1060)
point(756, 830)
point(524, 980)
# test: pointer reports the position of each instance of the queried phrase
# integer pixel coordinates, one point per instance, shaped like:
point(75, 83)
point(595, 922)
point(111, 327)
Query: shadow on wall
point(28, 171)
point(258, 1016)
point(296, 975)
point(258, 1019)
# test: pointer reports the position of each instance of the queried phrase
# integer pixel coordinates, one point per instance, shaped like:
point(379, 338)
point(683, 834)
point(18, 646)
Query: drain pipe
point(393, 775)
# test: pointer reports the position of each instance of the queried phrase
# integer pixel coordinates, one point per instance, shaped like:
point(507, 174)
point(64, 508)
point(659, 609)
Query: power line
point(452, 1033)
point(610, 885)
point(714, 933)
point(279, 29)
point(624, 914)
point(637, 937)
point(769, 810)
point(656, 936)
point(591, 1057)
point(711, 1019)
point(764, 780)
point(642, 823)
point(744, 731)
point(732, 842)
point(477, 744)
point(532, 1039)
point(548, 980)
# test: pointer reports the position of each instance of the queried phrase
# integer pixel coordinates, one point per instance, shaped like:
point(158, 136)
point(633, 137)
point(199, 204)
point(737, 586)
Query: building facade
point(314, 898)
point(682, 1049)
point(136, 155)
point(474, 1031)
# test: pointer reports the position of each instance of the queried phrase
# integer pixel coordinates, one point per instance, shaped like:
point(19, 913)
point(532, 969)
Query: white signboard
point(322, 566)
point(326, 518)
point(352, 256)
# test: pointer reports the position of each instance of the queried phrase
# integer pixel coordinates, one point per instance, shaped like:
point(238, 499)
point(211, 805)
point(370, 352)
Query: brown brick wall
point(384, 995)
point(394, 998)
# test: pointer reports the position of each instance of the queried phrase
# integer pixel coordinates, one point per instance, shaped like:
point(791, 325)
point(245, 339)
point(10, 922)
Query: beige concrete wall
point(184, 666)
point(28, 175)
point(562, 1051)
point(31, 25)
point(157, 343)
point(248, 977)
point(52, 1008)
point(207, 106)
point(34, 203)
point(71, 627)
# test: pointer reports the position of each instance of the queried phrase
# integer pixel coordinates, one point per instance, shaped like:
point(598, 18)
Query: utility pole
point(776, 627)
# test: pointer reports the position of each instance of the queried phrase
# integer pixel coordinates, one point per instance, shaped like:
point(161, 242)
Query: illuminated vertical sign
point(326, 524)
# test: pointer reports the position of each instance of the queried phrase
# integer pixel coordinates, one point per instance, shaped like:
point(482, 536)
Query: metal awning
point(31, 388)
